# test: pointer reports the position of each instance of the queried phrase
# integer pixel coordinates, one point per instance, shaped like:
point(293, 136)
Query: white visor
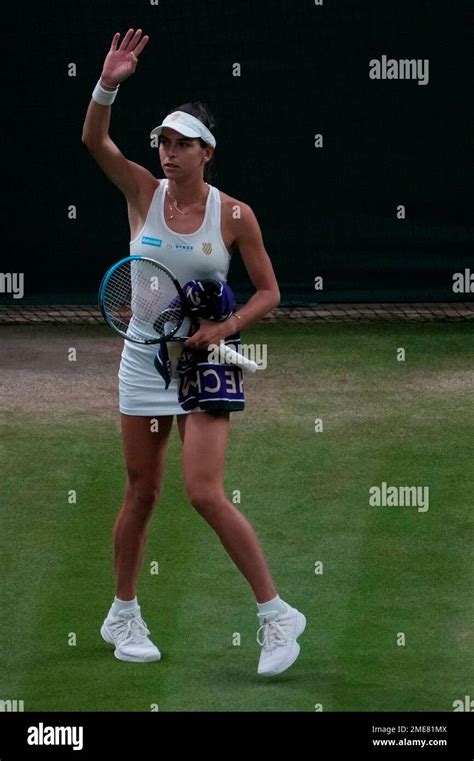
point(187, 125)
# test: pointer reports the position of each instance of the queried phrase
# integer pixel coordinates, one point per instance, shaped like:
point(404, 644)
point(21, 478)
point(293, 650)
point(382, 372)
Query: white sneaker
point(130, 637)
point(277, 635)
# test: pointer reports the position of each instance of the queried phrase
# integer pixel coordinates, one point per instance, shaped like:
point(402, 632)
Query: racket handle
point(228, 355)
point(232, 357)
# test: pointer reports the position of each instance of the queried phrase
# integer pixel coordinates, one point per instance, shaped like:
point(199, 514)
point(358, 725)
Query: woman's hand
point(121, 62)
point(210, 332)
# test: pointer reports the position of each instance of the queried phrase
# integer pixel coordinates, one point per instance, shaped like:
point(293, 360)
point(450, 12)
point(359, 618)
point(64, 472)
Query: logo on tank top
point(179, 247)
point(207, 248)
point(151, 241)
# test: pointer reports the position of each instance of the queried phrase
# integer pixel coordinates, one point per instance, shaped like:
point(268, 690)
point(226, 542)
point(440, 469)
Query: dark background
point(329, 212)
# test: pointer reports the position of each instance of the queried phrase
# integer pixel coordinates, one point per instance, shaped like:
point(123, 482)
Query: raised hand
point(121, 62)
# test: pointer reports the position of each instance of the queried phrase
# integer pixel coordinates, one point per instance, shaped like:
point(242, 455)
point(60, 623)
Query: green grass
point(386, 569)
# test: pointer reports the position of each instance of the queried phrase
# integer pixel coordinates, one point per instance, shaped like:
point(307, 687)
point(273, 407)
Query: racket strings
point(141, 300)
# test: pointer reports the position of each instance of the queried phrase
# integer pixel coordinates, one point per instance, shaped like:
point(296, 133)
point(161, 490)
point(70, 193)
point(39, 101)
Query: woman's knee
point(142, 493)
point(208, 502)
point(145, 452)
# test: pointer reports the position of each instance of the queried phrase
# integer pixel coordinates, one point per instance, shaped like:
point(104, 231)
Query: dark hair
point(201, 112)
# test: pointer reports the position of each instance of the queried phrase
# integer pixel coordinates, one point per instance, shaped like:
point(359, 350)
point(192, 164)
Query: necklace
point(175, 203)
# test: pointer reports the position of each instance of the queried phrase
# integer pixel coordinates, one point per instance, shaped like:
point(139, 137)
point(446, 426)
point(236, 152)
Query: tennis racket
point(143, 301)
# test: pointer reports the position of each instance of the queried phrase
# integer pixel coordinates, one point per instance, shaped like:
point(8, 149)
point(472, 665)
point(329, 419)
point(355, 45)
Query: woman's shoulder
point(231, 204)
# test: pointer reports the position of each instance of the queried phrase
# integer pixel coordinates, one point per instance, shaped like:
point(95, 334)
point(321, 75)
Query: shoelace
point(135, 630)
point(273, 635)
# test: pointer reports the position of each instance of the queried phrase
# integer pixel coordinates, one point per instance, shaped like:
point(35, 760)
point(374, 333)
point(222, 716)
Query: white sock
point(128, 608)
point(276, 605)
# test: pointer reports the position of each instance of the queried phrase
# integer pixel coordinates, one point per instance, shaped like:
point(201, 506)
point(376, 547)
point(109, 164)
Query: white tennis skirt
point(141, 388)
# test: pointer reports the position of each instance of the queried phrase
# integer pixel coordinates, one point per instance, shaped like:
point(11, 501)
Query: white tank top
point(201, 254)
point(188, 255)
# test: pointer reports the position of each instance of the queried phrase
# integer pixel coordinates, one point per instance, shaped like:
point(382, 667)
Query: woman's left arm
point(249, 241)
point(259, 267)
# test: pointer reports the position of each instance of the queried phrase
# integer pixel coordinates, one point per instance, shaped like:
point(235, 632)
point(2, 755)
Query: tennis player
point(190, 226)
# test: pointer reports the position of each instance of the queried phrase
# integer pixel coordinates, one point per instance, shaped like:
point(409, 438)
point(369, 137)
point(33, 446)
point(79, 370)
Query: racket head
point(142, 300)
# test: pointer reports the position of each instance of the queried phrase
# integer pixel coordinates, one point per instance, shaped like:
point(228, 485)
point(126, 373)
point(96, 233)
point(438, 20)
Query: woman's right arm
point(119, 64)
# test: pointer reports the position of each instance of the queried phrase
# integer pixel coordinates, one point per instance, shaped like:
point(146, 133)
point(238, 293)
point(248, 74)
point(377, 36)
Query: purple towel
point(213, 387)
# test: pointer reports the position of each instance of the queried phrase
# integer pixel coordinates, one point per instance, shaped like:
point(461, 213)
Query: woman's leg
point(205, 440)
point(144, 451)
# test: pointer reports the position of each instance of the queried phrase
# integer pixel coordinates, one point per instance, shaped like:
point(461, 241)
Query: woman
point(190, 226)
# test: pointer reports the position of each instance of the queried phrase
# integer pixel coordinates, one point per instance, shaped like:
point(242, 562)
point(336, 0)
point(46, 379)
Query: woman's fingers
point(131, 43)
point(135, 40)
point(126, 40)
point(141, 45)
point(115, 40)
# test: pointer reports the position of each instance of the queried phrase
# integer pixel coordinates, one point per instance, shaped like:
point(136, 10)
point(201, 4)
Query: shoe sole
point(300, 627)
point(120, 656)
